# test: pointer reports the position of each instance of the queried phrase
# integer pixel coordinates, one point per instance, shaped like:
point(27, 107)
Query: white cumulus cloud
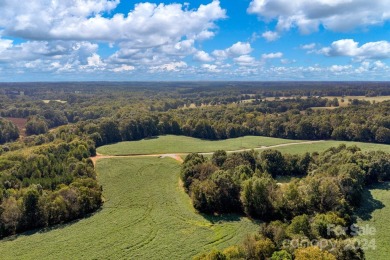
point(270, 36)
point(275, 55)
point(123, 68)
point(211, 68)
point(245, 60)
point(237, 49)
point(147, 24)
point(309, 15)
point(173, 66)
point(351, 48)
point(203, 56)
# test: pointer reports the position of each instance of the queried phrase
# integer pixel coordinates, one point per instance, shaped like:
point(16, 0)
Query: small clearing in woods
point(20, 123)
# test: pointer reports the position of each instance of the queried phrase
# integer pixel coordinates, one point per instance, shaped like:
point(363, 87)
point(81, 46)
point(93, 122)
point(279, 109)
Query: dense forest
point(327, 192)
point(46, 176)
point(142, 112)
point(8, 131)
point(47, 185)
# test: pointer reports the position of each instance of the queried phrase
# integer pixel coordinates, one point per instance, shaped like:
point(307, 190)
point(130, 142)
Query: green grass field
point(375, 213)
point(184, 144)
point(319, 147)
point(146, 215)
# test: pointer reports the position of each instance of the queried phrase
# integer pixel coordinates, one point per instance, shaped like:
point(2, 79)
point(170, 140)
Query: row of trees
point(365, 123)
point(136, 114)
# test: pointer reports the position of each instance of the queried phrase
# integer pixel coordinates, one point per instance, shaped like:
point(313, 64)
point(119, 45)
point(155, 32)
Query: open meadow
point(146, 215)
point(322, 146)
point(374, 213)
point(182, 144)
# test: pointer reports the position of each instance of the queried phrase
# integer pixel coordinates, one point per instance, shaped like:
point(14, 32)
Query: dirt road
point(178, 156)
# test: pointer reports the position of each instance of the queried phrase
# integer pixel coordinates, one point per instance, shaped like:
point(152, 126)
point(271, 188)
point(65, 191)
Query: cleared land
point(371, 99)
point(322, 146)
point(181, 144)
point(375, 213)
point(184, 144)
point(20, 123)
point(59, 101)
point(146, 215)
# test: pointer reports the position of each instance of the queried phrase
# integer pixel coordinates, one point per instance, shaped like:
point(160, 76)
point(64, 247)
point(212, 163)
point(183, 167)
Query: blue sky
point(77, 40)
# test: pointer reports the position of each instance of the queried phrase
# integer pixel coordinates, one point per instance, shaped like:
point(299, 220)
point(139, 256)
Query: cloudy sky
point(57, 40)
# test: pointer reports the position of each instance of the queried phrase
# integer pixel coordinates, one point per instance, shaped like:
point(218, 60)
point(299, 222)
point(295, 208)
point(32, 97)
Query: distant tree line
point(140, 112)
point(363, 123)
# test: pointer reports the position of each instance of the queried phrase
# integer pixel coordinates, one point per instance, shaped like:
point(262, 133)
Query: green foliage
point(281, 255)
point(46, 185)
point(313, 252)
point(36, 125)
point(213, 255)
point(255, 247)
point(321, 222)
point(142, 197)
point(299, 226)
point(8, 131)
point(56, 182)
point(219, 157)
point(257, 196)
point(331, 181)
point(272, 162)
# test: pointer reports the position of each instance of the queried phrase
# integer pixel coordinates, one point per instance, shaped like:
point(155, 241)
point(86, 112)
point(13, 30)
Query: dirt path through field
point(178, 156)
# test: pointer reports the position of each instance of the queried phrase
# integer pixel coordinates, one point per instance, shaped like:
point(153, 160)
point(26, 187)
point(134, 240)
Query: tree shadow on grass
point(369, 203)
point(151, 137)
point(220, 218)
point(48, 229)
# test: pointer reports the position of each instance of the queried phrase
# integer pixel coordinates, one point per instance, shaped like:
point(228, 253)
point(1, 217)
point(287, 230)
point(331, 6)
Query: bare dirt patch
point(20, 123)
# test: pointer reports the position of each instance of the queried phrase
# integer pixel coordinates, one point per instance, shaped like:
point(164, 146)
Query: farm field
point(322, 146)
point(184, 144)
point(375, 213)
point(371, 99)
point(346, 98)
point(146, 210)
point(181, 144)
point(146, 215)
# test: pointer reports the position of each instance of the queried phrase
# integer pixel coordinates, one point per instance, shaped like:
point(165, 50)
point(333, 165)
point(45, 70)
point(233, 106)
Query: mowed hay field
point(375, 213)
point(322, 146)
point(146, 215)
point(184, 144)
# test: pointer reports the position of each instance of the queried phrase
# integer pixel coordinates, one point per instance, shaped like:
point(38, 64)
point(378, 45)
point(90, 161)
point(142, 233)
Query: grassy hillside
point(146, 215)
point(184, 144)
point(375, 213)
